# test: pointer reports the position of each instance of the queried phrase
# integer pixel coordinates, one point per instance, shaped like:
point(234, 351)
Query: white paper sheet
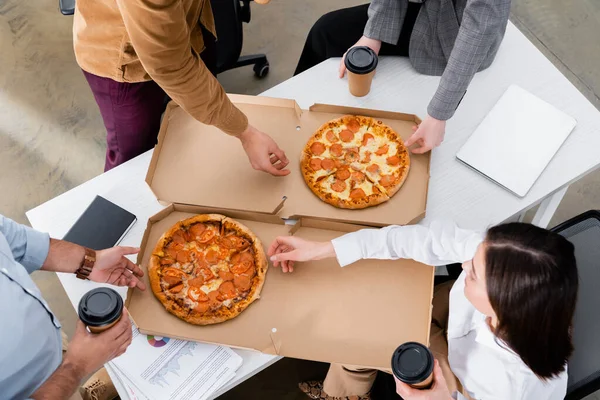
point(170, 369)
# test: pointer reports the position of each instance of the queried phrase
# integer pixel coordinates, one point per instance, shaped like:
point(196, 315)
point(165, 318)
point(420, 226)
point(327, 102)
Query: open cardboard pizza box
point(354, 315)
point(195, 163)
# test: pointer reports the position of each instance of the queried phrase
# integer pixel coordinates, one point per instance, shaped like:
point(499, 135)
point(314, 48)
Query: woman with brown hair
point(507, 330)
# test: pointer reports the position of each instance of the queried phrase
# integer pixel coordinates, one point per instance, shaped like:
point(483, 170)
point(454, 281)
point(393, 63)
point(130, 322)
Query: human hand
point(428, 135)
point(374, 44)
point(113, 267)
point(286, 250)
point(438, 391)
point(263, 152)
point(88, 352)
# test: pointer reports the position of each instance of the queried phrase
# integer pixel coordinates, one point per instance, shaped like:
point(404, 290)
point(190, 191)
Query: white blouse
point(485, 366)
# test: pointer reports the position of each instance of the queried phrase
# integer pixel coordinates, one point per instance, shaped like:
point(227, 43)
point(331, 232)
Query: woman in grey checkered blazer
point(453, 39)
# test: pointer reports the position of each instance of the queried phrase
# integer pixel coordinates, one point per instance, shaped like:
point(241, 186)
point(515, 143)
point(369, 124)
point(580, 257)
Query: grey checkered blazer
point(454, 41)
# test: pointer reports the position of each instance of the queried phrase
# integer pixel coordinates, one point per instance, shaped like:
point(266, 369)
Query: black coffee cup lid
point(100, 306)
point(361, 60)
point(412, 363)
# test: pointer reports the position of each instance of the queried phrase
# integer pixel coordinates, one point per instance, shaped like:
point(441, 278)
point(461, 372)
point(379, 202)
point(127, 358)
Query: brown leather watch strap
point(89, 259)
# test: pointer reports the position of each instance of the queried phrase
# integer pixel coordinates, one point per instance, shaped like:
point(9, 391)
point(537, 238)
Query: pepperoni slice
point(247, 256)
point(382, 150)
point(205, 273)
point(166, 261)
point(183, 256)
point(202, 307)
point(174, 272)
point(393, 160)
point(346, 135)
point(338, 163)
point(207, 236)
point(212, 256)
point(172, 276)
point(251, 272)
point(352, 156)
point(242, 282)
point(196, 230)
point(353, 124)
point(327, 164)
point(196, 294)
point(358, 177)
point(367, 158)
point(226, 276)
point(315, 164)
point(242, 267)
point(386, 180)
point(317, 148)
point(176, 289)
point(213, 296)
point(358, 193)
point(342, 174)
point(366, 138)
point(373, 168)
point(227, 242)
point(330, 135)
point(242, 243)
point(227, 290)
point(197, 282)
point(338, 186)
point(179, 237)
point(336, 149)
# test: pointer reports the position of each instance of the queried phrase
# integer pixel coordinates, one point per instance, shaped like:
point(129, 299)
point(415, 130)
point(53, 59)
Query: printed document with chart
point(163, 368)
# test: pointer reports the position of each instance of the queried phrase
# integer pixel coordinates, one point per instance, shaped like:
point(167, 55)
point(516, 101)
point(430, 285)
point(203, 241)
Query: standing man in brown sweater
point(133, 51)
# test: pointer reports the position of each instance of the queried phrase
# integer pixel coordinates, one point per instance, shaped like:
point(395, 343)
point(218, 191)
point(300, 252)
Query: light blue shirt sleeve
point(28, 246)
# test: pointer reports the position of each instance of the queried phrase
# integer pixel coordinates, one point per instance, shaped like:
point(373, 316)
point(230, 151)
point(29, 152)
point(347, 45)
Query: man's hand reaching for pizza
point(286, 250)
point(263, 152)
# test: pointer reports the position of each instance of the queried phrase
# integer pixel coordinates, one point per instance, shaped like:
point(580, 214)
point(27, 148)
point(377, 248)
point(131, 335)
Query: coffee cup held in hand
point(412, 363)
point(360, 62)
point(100, 309)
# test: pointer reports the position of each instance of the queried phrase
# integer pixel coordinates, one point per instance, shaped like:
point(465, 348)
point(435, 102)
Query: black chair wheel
point(261, 70)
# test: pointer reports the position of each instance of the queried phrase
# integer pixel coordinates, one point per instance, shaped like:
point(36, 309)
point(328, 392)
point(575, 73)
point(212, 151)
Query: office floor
point(52, 137)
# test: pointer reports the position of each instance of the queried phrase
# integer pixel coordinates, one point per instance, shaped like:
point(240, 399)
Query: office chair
point(584, 366)
point(229, 16)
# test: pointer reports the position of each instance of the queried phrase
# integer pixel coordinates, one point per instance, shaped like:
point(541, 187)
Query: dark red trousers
point(132, 111)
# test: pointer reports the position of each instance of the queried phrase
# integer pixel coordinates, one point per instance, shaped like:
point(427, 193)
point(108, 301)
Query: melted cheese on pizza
point(212, 285)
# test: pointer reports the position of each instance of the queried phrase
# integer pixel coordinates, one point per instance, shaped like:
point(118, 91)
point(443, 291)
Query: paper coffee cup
point(360, 62)
point(412, 363)
point(100, 309)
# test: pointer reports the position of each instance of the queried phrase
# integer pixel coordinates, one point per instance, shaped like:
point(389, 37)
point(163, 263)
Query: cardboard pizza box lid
point(353, 315)
point(198, 164)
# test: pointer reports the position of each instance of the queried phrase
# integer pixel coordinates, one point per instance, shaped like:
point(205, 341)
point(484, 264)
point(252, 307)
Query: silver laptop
point(516, 140)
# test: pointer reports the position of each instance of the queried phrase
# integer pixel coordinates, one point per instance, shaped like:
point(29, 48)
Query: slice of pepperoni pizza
point(207, 269)
point(355, 162)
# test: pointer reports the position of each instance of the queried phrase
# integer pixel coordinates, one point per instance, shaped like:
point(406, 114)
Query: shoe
point(314, 390)
point(99, 387)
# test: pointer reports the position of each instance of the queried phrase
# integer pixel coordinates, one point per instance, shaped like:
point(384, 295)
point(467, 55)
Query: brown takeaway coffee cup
point(412, 363)
point(360, 62)
point(100, 309)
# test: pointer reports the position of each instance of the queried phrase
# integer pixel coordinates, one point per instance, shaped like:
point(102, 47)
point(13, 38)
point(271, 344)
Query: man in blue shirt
point(31, 361)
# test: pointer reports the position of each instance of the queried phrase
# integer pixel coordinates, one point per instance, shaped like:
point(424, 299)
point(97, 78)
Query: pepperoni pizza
point(207, 269)
point(355, 162)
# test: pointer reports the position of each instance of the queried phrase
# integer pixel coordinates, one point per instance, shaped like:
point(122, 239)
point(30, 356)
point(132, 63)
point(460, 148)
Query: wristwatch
point(89, 259)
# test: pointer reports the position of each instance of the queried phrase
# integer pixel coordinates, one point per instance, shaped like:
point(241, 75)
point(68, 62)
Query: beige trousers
point(347, 380)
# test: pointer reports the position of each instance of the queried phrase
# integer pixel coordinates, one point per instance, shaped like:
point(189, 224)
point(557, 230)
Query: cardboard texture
point(353, 315)
point(222, 176)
